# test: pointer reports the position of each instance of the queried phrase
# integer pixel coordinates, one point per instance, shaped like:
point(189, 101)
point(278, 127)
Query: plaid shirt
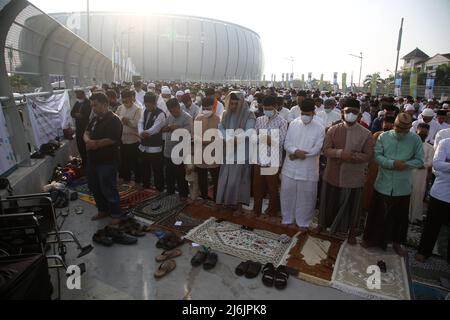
point(274, 123)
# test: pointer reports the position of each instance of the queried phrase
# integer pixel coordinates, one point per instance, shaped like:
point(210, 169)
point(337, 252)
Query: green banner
point(373, 85)
point(413, 84)
point(344, 82)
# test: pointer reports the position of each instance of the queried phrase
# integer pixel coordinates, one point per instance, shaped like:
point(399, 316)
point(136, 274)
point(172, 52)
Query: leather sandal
point(165, 268)
point(268, 277)
point(199, 258)
point(281, 277)
point(211, 261)
point(253, 270)
point(166, 255)
point(242, 268)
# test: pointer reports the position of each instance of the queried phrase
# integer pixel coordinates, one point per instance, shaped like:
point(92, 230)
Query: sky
point(318, 34)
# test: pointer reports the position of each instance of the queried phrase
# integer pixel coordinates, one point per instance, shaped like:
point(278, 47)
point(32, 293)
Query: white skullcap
point(151, 85)
point(187, 91)
point(430, 100)
point(381, 113)
point(409, 107)
point(179, 93)
point(445, 106)
point(165, 90)
point(428, 113)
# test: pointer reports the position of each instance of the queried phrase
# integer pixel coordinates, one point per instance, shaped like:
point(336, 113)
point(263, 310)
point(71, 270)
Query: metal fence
point(40, 54)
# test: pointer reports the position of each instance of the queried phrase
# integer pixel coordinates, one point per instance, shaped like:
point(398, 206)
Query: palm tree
point(371, 77)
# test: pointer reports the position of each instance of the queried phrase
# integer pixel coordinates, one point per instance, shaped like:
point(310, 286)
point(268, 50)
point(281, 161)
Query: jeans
point(102, 181)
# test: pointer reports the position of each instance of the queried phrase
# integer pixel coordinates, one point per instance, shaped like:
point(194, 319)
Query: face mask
point(80, 100)
point(423, 136)
point(198, 100)
point(306, 119)
point(269, 113)
point(207, 113)
point(350, 117)
point(328, 110)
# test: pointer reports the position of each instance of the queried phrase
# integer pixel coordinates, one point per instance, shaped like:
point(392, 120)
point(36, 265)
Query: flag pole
point(399, 44)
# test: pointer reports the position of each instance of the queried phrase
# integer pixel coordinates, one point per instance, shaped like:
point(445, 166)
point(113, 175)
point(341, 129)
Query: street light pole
point(399, 44)
point(360, 66)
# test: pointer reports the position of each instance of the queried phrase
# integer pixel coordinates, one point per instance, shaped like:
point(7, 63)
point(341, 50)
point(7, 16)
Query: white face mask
point(350, 117)
point(306, 119)
point(207, 113)
point(80, 100)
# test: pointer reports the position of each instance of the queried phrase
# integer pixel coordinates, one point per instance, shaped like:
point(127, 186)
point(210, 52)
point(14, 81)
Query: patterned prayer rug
point(415, 233)
point(258, 245)
point(421, 291)
point(180, 222)
point(430, 272)
point(128, 200)
point(165, 205)
point(83, 188)
point(351, 273)
point(314, 256)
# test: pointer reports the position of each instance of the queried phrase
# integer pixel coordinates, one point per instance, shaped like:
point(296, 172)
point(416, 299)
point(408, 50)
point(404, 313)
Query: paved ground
point(126, 272)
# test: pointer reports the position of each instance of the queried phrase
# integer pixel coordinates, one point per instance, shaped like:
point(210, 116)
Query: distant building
point(415, 60)
point(420, 61)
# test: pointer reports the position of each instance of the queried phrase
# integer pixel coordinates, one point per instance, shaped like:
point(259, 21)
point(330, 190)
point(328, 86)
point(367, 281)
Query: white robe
point(419, 178)
point(299, 178)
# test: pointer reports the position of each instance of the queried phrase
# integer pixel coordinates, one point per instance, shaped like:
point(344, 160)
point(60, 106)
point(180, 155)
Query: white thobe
point(419, 178)
point(140, 98)
point(299, 178)
point(294, 113)
point(284, 113)
point(441, 135)
point(329, 118)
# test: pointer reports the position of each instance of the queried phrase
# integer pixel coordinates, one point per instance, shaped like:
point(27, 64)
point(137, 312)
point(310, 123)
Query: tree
point(443, 75)
point(371, 77)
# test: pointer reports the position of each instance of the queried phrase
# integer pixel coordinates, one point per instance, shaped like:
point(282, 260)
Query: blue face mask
point(269, 113)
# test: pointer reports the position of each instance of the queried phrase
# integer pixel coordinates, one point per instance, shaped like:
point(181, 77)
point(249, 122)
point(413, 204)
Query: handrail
point(39, 94)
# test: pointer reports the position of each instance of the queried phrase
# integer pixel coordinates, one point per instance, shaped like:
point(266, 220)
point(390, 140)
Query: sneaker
point(100, 237)
point(119, 236)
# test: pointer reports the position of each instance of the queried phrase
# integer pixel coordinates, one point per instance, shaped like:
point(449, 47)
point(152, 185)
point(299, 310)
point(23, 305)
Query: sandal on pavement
point(165, 268)
point(281, 277)
point(253, 270)
point(268, 274)
point(199, 258)
point(211, 261)
point(166, 255)
point(242, 268)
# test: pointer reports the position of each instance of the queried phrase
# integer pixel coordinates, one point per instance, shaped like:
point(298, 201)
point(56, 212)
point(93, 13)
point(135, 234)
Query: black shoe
point(119, 236)
point(101, 238)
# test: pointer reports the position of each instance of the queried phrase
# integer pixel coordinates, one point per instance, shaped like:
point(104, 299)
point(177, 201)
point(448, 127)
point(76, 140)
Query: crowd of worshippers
point(343, 154)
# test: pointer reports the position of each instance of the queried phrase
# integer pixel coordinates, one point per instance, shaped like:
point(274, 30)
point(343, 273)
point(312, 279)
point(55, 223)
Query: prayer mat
point(440, 248)
point(430, 272)
point(180, 222)
point(421, 291)
point(167, 205)
point(257, 245)
point(314, 256)
point(128, 200)
point(351, 273)
point(83, 188)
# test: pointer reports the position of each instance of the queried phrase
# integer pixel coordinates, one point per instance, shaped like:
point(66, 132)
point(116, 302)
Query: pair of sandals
point(169, 241)
point(275, 277)
point(249, 269)
point(205, 257)
point(168, 264)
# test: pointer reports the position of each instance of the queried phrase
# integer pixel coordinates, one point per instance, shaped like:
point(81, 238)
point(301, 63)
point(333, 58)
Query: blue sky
point(319, 34)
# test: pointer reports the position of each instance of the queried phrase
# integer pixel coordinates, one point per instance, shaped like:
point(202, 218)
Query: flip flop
point(281, 277)
point(165, 268)
point(199, 258)
point(268, 277)
point(211, 261)
point(242, 268)
point(166, 255)
point(253, 270)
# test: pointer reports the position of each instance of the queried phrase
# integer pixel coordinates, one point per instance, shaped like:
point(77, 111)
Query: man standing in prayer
point(397, 152)
point(175, 173)
point(188, 106)
point(150, 130)
point(270, 122)
point(81, 112)
point(300, 173)
point(282, 111)
point(439, 206)
point(102, 138)
point(419, 176)
point(295, 111)
point(329, 115)
point(235, 175)
point(139, 93)
point(348, 148)
point(427, 117)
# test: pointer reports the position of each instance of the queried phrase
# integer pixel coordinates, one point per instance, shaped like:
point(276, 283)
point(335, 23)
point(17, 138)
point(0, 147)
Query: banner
point(7, 158)
point(398, 86)
point(429, 86)
point(413, 84)
point(309, 80)
point(303, 81)
point(335, 82)
point(48, 117)
point(373, 85)
point(344, 82)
